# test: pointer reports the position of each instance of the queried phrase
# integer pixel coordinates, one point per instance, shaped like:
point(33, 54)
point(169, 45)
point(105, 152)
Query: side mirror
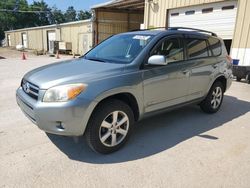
point(157, 60)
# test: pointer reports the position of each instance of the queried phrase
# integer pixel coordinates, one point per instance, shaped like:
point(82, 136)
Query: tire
point(238, 79)
point(212, 103)
point(104, 133)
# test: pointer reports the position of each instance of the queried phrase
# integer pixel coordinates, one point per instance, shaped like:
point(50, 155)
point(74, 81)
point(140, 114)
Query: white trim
point(51, 26)
point(243, 54)
point(105, 4)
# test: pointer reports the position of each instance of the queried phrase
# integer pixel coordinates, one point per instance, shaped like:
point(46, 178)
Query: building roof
point(51, 26)
point(122, 4)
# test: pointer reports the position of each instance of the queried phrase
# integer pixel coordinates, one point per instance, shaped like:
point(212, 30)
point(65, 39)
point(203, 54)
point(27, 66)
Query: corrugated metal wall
point(155, 14)
point(112, 22)
point(37, 37)
point(73, 33)
point(242, 29)
point(241, 42)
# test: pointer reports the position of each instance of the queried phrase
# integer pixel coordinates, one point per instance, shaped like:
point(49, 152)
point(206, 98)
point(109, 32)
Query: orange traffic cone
point(23, 56)
point(57, 55)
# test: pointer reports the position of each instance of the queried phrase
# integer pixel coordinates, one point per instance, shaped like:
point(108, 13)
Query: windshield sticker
point(141, 37)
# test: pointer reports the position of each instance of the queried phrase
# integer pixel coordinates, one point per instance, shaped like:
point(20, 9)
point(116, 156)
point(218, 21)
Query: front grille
point(26, 108)
point(30, 89)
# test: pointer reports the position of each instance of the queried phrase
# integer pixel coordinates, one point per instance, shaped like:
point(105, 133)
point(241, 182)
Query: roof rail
point(149, 29)
point(192, 29)
point(179, 28)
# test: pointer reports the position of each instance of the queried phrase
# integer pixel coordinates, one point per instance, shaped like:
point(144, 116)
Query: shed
point(78, 34)
point(116, 16)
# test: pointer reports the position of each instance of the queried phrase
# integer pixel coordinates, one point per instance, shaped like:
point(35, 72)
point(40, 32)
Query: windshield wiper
point(95, 59)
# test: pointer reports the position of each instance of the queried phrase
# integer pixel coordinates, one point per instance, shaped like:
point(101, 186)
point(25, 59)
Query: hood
point(73, 71)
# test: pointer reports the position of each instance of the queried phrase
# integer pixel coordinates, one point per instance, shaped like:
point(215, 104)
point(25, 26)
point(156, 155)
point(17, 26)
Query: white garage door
point(216, 17)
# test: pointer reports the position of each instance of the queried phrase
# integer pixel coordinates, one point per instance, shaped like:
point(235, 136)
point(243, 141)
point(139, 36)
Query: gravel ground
point(183, 148)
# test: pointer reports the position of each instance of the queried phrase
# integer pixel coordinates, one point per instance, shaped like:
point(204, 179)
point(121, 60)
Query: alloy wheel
point(216, 97)
point(114, 128)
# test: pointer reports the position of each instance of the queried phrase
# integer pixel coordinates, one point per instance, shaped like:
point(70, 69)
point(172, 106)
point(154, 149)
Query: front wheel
point(213, 101)
point(110, 126)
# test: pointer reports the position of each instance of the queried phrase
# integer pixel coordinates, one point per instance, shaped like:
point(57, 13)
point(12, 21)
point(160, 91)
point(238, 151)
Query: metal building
point(76, 36)
point(117, 16)
point(230, 19)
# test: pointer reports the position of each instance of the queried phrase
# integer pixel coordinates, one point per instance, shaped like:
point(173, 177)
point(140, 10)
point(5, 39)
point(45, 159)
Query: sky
point(78, 4)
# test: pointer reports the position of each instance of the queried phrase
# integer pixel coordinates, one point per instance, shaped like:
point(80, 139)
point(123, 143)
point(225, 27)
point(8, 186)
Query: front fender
point(135, 91)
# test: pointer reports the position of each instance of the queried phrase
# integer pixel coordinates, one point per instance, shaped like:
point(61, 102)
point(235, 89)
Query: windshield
point(122, 49)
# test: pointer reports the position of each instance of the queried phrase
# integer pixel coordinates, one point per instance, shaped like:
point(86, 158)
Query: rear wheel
point(110, 126)
point(213, 101)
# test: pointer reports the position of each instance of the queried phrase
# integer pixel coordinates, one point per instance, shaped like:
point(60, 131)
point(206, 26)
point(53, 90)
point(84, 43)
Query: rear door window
point(197, 48)
point(215, 46)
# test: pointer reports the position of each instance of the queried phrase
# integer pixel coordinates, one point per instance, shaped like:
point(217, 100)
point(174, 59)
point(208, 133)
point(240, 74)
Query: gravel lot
point(183, 148)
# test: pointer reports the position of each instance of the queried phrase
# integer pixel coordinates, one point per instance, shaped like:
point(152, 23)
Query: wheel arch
point(222, 79)
point(125, 97)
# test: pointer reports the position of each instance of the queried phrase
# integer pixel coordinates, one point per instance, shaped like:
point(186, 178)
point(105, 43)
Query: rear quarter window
point(215, 46)
point(197, 48)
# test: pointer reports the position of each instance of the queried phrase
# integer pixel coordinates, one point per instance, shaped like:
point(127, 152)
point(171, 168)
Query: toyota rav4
point(124, 79)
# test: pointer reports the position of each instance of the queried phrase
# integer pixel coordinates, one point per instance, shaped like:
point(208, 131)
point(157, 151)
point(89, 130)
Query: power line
point(17, 5)
point(36, 11)
point(24, 11)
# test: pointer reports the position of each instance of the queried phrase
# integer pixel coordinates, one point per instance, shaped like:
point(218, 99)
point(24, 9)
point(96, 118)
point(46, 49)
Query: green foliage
point(57, 16)
point(70, 14)
point(84, 15)
point(39, 14)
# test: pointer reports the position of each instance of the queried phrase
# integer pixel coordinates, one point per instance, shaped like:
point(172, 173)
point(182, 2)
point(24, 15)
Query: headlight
point(63, 93)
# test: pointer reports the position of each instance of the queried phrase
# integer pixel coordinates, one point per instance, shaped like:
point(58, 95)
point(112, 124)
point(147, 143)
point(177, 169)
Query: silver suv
point(124, 79)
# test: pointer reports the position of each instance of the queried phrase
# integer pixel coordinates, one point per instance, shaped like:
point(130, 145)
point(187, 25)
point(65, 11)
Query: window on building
point(190, 12)
point(228, 7)
point(207, 10)
point(175, 14)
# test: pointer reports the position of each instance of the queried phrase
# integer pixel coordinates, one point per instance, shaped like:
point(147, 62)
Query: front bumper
point(62, 118)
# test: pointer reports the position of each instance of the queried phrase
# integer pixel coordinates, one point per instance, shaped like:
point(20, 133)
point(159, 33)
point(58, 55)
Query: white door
point(51, 39)
point(24, 40)
point(216, 17)
point(9, 40)
point(83, 44)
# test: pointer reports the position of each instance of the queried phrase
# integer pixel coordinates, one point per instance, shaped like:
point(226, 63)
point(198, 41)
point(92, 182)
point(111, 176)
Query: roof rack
point(179, 28)
point(192, 29)
point(149, 29)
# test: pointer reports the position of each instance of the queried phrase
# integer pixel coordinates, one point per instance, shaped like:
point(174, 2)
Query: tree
point(57, 16)
point(13, 17)
point(43, 17)
point(9, 20)
point(17, 14)
point(84, 15)
point(70, 14)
